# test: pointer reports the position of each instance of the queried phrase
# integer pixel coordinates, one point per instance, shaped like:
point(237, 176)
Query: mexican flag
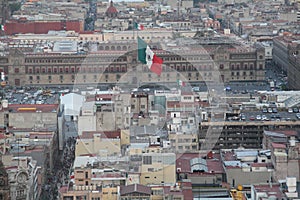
point(138, 26)
point(146, 56)
point(180, 83)
point(2, 28)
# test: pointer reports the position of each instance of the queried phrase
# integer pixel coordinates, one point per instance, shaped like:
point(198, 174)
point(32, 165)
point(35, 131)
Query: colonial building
point(4, 184)
point(204, 62)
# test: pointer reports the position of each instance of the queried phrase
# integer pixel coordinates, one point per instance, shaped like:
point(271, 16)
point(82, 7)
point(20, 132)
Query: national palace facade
point(115, 62)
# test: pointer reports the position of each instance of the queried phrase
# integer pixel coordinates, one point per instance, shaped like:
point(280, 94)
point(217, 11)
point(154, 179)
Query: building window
point(147, 160)
point(49, 78)
point(17, 70)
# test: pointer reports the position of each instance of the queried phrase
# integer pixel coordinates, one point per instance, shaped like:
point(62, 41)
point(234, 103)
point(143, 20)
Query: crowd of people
point(60, 174)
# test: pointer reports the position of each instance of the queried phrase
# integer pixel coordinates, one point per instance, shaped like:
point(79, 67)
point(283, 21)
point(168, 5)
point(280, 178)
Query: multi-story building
point(184, 143)
point(23, 175)
point(234, 134)
point(110, 65)
point(282, 48)
point(294, 69)
point(30, 116)
point(158, 168)
point(284, 146)
point(4, 11)
point(4, 183)
point(100, 143)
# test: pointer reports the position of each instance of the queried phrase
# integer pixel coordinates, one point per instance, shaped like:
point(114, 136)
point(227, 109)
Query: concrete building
point(32, 116)
point(234, 134)
point(72, 103)
point(49, 69)
point(294, 59)
point(184, 143)
point(266, 191)
point(87, 118)
point(284, 146)
point(104, 144)
point(241, 169)
point(200, 169)
point(158, 168)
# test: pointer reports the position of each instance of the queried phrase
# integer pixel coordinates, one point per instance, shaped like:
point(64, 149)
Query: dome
point(111, 9)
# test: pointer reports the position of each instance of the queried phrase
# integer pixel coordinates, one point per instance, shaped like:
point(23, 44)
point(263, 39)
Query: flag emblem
point(148, 57)
point(138, 26)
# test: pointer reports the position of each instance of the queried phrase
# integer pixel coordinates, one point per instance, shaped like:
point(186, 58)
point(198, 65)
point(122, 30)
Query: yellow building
point(158, 168)
point(105, 144)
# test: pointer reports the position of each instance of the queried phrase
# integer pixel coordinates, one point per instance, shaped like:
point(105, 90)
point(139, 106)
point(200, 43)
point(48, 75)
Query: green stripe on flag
point(142, 45)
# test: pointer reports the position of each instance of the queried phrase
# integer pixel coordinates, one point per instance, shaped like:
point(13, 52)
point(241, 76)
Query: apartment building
point(158, 168)
point(184, 143)
point(104, 144)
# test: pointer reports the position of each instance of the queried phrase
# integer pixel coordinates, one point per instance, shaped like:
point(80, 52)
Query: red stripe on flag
point(156, 65)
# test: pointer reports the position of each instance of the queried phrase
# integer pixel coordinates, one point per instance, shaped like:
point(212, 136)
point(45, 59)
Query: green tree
point(14, 7)
point(88, 20)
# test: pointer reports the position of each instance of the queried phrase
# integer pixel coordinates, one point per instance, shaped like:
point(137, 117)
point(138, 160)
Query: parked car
point(258, 117)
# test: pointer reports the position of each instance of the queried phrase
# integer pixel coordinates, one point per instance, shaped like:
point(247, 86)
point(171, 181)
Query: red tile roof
point(104, 134)
point(278, 145)
point(214, 165)
point(2, 136)
point(273, 190)
point(135, 188)
point(41, 135)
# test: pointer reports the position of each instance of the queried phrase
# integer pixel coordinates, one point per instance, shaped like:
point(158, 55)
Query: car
point(242, 117)
point(273, 116)
point(270, 110)
point(264, 110)
point(252, 118)
point(290, 110)
point(278, 116)
point(295, 110)
point(274, 110)
point(298, 115)
point(264, 117)
point(258, 117)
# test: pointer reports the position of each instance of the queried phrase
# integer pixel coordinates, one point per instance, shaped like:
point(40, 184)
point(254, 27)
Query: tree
point(14, 7)
point(88, 20)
